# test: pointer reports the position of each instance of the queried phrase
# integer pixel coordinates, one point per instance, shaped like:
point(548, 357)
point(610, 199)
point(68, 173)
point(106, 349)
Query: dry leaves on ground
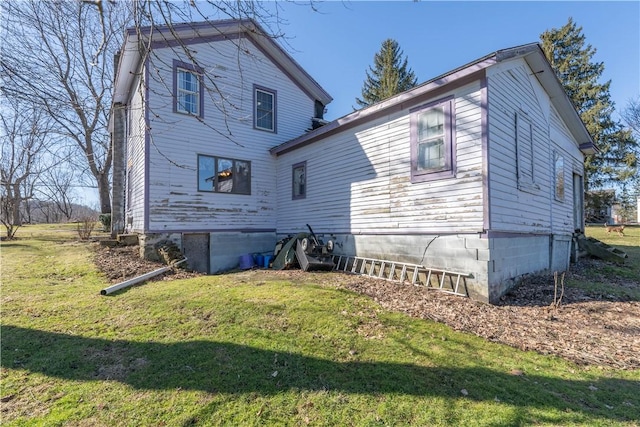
point(585, 329)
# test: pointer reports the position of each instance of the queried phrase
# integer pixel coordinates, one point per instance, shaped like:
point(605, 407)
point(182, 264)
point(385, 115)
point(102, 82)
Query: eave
point(532, 54)
point(138, 42)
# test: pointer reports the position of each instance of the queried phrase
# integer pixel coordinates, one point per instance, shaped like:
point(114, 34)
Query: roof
point(532, 53)
point(187, 33)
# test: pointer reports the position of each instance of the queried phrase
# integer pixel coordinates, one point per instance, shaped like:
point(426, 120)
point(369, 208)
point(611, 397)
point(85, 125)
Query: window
point(264, 113)
point(432, 142)
point(187, 87)
point(299, 180)
point(222, 175)
point(559, 177)
point(524, 151)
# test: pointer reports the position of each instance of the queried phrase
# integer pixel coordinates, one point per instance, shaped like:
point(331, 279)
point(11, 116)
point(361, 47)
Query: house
point(479, 170)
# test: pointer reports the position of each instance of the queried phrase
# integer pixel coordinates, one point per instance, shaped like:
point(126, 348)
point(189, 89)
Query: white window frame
point(258, 113)
point(180, 68)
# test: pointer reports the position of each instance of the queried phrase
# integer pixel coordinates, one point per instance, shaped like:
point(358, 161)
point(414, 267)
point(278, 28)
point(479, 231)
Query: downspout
point(139, 279)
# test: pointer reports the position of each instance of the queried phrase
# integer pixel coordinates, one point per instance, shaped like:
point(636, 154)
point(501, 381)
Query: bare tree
point(631, 116)
point(23, 133)
point(56, 188)
point(58, 55)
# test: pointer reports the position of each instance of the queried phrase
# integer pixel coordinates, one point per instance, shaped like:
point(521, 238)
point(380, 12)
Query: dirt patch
point(588, 328)
point(121, 263)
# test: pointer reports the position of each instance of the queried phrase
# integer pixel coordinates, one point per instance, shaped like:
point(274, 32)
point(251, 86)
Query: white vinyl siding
point(522, 185)
point(359, 180)
point(135, 161)
point(227, 131)
point(524, 151)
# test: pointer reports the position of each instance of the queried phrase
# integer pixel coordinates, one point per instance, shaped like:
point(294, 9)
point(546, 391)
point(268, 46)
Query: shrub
point(105, 220)
point(85, 227)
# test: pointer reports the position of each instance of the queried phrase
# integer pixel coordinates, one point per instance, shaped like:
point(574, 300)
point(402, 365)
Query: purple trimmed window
point(264, 109)
point(432, 141)
point(299, 181)
point(187, 89)
point(224, 175)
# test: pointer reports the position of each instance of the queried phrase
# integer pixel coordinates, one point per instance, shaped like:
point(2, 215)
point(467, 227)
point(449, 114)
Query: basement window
point(223, 175)
point(432, 141)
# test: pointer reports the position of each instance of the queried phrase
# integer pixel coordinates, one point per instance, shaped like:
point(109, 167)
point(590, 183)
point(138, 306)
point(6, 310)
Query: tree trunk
point(15, 205)
point(104, 191)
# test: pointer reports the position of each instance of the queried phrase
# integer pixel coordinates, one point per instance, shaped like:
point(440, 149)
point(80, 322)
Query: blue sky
point(336, 43)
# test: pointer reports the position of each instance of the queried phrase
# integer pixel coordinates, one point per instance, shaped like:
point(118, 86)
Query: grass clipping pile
point(586, 328)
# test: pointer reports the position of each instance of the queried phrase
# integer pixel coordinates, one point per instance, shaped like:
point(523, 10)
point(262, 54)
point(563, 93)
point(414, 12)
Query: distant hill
point(38, 212)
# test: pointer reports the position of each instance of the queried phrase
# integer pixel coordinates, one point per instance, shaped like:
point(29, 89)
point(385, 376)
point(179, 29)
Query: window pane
point(206, 173)
point(242, 179)
point(188, 96)
point(265, 100)
point(299, 181)
point(264, 110)
point(431, 123)
point(224, 176)
point(431, 154)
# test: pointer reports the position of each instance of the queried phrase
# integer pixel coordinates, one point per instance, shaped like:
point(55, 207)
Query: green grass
point(252, 349)
point(608, 279)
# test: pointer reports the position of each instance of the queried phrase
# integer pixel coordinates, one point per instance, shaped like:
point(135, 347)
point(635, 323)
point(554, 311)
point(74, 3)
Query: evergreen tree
point(389, 75)
point(572, 61)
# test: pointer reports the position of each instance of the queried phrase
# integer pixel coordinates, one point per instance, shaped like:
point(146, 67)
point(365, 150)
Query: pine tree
point(389, 75)
point(571, 58)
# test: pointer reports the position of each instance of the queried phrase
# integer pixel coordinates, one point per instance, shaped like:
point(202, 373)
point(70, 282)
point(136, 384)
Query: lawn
point(253, 349)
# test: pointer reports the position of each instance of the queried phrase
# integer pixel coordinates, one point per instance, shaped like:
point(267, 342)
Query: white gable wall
point(174, 202)
point(162, 152)
point(530, 229)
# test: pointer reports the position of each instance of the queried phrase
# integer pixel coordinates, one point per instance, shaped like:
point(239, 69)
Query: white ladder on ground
point(446, 281)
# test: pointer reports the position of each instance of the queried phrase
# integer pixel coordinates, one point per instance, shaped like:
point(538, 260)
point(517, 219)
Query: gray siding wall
point(226, 131)
point(359, 180)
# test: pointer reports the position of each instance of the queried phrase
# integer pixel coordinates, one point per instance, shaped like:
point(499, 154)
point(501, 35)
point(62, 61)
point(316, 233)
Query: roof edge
point(131, 56)
point(411, 96)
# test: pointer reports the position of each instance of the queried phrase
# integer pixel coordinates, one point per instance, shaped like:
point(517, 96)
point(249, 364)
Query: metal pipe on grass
point(139, 279)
